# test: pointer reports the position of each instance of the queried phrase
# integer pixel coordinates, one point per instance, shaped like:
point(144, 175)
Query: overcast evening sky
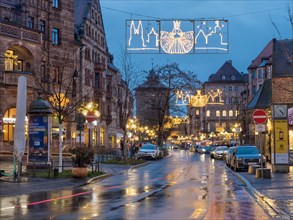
point(250, 29)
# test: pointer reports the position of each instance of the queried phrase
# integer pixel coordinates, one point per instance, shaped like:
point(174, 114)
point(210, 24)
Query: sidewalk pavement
point(276, 193)
point(11, 187)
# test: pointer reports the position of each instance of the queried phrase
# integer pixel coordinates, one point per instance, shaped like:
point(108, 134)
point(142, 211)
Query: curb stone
point(269, 202)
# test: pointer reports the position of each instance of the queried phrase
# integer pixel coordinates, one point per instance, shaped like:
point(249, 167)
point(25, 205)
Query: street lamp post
point(91, 113)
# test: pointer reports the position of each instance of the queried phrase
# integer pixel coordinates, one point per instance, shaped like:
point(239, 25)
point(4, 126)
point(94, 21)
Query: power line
point(147, 16)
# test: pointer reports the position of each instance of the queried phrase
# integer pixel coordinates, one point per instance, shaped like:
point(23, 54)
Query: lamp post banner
point(19, 134)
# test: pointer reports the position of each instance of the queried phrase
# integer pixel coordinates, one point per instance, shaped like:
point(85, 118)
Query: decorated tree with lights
point(159, 101)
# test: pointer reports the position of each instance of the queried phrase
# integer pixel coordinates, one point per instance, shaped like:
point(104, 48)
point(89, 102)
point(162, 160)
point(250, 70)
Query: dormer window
point(232, 77)
point(223, 77)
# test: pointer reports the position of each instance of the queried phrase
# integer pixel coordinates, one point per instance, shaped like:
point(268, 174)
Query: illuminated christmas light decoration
point(177, 36)
point(177, 41)
point(199, 100)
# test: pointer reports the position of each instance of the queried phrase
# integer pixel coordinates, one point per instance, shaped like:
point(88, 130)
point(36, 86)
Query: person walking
point(122, 147)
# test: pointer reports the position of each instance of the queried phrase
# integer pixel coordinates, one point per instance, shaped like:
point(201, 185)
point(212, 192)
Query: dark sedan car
point(243, 156)
point(228, 156)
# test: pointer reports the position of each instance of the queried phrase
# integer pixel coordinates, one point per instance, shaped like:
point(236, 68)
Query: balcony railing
point(17, 32)
point(11, 78)
point(99, 67)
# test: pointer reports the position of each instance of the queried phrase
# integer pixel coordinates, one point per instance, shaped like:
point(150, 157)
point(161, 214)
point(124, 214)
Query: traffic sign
point(259, 116)
point(91, 116)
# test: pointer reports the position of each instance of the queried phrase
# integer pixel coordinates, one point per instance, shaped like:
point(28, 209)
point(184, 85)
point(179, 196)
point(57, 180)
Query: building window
point(224, 113)
point(42, 26)
point(253, 74)
point(12, 63)
point(208, 114)
point(218, 113)
point(223, 77)
point(230, 89)
point(236, 113)
point(230, 100)
point(232, 77)
point(197, 112)
point(55, 74)
point(253, 90)
point(230, 113)
point(55, 3)
point(236, 88)
point(55, 36)
point(224, 88)
point(30, 22)
point(9, 123)
point(260, 73)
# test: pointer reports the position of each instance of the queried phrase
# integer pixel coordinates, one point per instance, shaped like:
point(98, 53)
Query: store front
point(8, 128)
point(290, 129)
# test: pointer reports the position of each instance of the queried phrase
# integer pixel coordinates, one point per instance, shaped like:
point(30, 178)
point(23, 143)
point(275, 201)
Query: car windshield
point(148, 147)
point(247, 150)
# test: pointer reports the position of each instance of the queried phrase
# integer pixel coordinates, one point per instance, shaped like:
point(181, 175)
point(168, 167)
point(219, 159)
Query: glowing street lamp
point(91, 113)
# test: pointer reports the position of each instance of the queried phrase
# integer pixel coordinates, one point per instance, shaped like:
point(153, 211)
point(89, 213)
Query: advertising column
point(39, 138)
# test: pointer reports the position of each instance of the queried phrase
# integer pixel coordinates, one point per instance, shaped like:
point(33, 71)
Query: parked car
point(243, 156)
point(220, 152)
point(228, 156)
point(149, 151)
point(204, 149)
point(212, 152)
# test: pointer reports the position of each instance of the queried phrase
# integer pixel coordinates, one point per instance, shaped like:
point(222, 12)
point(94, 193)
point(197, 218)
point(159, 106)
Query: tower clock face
point(280, 111)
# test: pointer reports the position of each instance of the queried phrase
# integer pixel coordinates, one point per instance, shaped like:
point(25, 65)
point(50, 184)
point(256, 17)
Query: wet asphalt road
point(182, 186)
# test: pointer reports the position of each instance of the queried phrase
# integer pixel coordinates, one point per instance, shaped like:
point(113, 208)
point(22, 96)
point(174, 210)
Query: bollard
point(55, 170)
point(34, 169)
point(49, 170)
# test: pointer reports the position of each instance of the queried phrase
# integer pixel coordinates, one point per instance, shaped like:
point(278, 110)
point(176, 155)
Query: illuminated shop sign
point(12, 120)
point(177, 36)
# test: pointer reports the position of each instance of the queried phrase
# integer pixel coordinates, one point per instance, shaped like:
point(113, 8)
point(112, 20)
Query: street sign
point(259, 116)
point(260, 127)
point(90, 126)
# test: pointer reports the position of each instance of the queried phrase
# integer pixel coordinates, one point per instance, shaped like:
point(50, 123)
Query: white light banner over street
point(177, 36)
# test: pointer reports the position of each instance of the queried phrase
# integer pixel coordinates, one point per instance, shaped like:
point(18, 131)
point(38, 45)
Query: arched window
point(208, 114)
point(218, 113)
point(224, 113)
point(197, 112)
point(230, 113)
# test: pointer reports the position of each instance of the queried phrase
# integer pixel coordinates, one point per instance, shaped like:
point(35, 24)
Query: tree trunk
point(60, 147)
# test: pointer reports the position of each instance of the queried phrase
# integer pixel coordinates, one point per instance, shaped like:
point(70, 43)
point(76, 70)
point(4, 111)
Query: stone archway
point(18, 59)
